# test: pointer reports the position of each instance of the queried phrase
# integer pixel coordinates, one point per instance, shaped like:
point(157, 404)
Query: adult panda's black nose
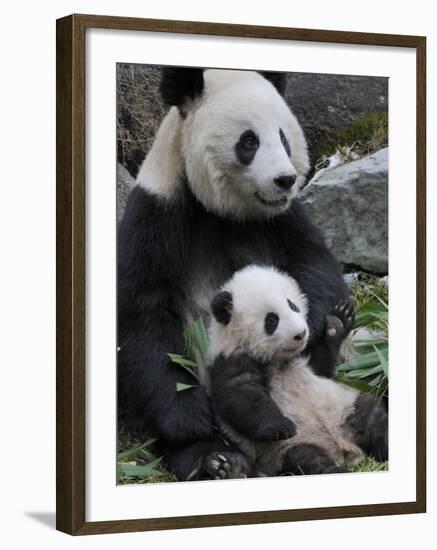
point(285, 182)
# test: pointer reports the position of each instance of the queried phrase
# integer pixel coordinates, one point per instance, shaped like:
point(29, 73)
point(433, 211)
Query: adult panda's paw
point(340, 320)
point(223, 465)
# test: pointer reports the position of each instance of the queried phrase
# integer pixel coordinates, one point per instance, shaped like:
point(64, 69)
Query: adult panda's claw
point(214, 464)
point(224, 465)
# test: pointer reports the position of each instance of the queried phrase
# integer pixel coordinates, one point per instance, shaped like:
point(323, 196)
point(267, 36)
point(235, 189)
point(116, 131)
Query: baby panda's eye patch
point(246, 147)
point(271, 322)
point(285, 142)
point(293, 306)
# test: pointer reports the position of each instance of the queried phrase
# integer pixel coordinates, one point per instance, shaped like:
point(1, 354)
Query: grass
point(366, 287)
point(366, 366)
point(137, 460)
point(369, 465)
point(365, 136)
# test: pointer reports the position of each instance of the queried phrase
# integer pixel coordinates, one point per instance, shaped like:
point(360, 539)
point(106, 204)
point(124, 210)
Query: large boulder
point(350, 204)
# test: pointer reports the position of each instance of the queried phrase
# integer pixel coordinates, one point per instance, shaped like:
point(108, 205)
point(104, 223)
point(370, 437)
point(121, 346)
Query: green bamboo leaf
point(373, 342)
point(188, 337)
point(364, 360)
point(140, 470)
point(185, 364)
point(363, 349)
point(368, 359)
point(182, 387)
point(382, 315)
point(373, 306)
point(363, 373)
point(380, 300)
point(373, 320)
point(201, 345)
point(200, 337)
point(383, 361)
point(377, 380)
point(130, 453)
point(181, 360)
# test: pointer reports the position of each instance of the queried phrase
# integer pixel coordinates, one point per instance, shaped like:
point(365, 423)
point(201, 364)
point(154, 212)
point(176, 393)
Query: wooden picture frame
point(71, 253)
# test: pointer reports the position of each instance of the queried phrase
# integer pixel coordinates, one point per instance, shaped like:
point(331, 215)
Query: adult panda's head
point(259, 311)
point(241, 148)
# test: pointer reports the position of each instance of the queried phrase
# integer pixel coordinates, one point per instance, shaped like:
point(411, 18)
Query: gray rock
point(125, 182)
point(350, 204)
point(327, 104)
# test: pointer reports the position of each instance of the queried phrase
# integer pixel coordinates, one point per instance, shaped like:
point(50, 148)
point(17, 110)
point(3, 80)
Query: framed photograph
point(240, 274)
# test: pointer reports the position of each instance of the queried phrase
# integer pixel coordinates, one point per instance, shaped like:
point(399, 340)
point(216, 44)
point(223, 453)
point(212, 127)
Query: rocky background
point(346, 126)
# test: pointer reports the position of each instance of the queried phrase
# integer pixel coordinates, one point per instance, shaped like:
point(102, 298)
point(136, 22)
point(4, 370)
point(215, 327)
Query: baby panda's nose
point(285, 182)
point(301, 335)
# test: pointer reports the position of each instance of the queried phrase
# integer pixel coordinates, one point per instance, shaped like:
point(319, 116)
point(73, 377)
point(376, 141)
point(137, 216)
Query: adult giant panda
point(215, 193)
point(263, 388)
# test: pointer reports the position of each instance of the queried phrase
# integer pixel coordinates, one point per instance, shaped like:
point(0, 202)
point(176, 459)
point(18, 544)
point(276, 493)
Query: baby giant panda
point(264, 389)
point(216, 192)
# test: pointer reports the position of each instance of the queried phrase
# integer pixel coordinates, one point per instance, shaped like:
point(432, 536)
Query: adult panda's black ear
point(180, 84)
point(279, 80)
point(221, 306)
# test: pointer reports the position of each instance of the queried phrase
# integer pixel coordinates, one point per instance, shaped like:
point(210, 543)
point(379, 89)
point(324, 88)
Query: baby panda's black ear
point(279, 80)
point(180, 84)
point(221, 306)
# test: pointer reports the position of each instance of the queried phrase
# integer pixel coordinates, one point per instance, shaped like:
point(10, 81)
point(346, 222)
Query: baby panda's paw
point(340, 320)
point(285, 431)
point(277, 431)
point(225, 465)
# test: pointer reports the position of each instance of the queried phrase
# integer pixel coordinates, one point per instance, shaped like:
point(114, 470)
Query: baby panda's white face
point(262, 312)
point(244, 151)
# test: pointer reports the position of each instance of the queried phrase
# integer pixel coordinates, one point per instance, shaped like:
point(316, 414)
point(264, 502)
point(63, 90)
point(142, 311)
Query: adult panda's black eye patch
point(293, 306)
point(246, 147)
point(285, 142)
point(271, 322)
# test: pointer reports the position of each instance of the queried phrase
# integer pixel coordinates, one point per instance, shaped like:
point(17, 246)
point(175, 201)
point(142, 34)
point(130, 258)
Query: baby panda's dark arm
point(318, 274)
point(239, 392)
point(152, 241)
point(369, 426)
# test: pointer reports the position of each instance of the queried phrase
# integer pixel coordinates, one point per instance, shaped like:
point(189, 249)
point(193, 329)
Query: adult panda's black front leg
point(339, 323)
point(152, 252)
point(307, 259)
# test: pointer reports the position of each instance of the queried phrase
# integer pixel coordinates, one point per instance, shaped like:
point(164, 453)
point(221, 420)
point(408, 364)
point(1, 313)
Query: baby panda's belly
point(319, 407)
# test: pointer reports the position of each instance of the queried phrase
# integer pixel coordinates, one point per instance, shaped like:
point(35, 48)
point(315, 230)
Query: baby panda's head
point(243, 150)
point(261, 312)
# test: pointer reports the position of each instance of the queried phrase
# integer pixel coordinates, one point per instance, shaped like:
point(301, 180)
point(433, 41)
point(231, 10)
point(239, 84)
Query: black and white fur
point(216, 192)
point(264, 389)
